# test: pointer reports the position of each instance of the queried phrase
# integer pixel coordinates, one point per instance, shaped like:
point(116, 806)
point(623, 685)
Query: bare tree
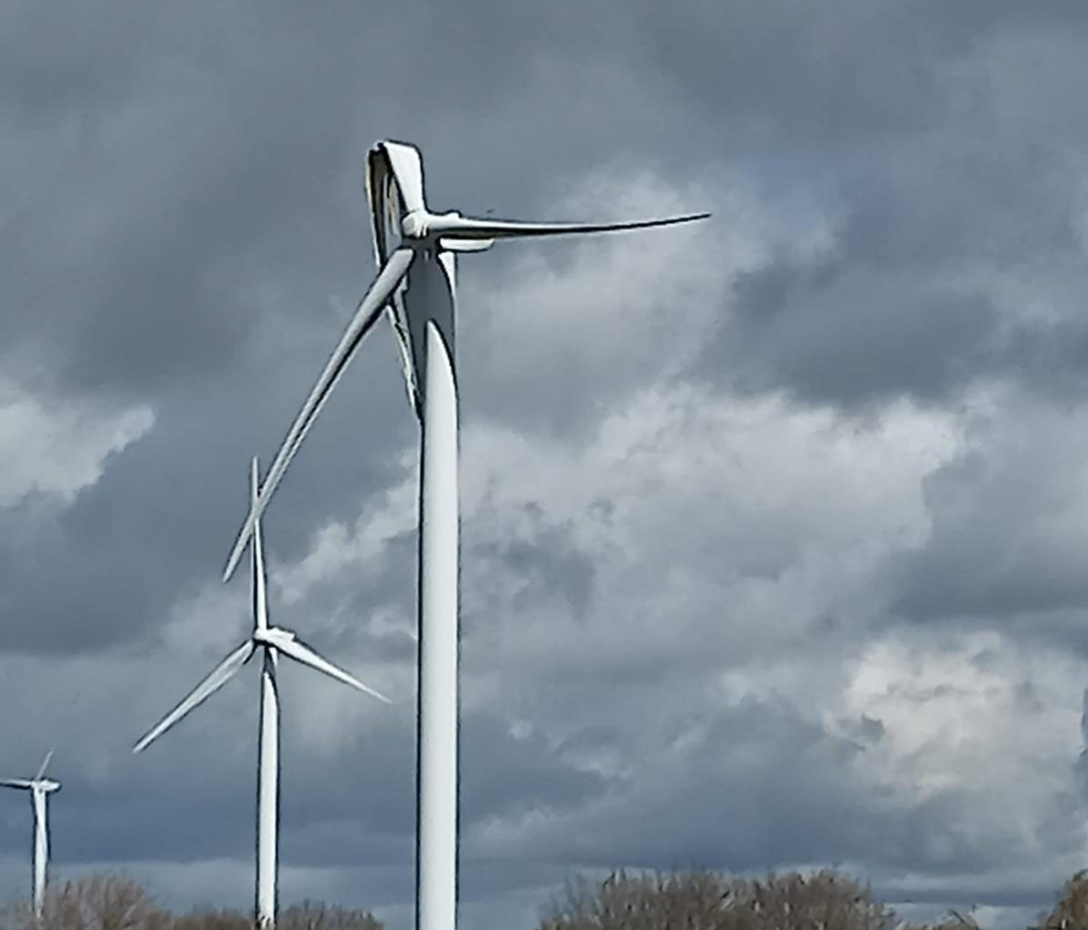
point(701, 900)
point(953, 920)
point(115, 902)
point(825, 900)
point(1071, 911)
point(213, 919)
point(317, 915)
point(682, 900)
point(645, 901)
point(309, 915)
point(98, 902)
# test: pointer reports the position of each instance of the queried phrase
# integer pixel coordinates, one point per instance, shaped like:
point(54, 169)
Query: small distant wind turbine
point(40, 788)
point(417, 282)
point(275, 641)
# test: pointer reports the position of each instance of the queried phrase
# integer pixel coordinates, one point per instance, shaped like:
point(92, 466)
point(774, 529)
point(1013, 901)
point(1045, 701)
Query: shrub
point(1071, 911)
point(701, 900)
point(115, 902)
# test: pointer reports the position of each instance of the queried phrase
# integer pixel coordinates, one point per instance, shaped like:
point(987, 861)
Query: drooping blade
point(218, 677)
point(366, 315)
point(453, 244)
point(463, 227)
point(408, 170)
point(291, 646)
point(260, 591)
point(15, 783)
point(45, 761)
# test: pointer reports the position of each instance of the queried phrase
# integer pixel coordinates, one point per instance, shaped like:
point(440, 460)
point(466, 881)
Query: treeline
point(702, 900)
point(684, 900)
point(116, 902)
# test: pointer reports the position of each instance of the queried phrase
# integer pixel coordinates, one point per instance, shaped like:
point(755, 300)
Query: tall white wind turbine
point(274, 641)
point(40, 788)
point(417, 282)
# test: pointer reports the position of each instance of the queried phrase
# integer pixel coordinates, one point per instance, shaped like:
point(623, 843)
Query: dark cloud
point(832, 335)
point(743, 788)
point(543, 562)
point(1000, 546)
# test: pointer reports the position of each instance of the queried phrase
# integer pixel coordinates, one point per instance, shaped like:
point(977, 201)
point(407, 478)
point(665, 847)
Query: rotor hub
point(272, 636)
point(419, 223)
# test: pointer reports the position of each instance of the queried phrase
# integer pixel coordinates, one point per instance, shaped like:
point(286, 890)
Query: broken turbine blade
point(407, 169)
point(366, 315)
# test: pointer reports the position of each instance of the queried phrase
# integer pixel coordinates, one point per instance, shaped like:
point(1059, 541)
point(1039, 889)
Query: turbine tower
point(40, 788)
point(417, 282)
point(274, 641)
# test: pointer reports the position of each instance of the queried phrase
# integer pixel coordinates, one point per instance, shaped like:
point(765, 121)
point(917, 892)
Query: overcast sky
point(775, 529)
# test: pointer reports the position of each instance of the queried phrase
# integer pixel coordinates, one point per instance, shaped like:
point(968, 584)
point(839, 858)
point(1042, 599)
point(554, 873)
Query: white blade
point(260, 592)
point(290, 645)
point(460, 227)
point(15, 783)
point(366, 315)
point(408, 170)
point(465, 245)
point(45, 761)
point(219, 676)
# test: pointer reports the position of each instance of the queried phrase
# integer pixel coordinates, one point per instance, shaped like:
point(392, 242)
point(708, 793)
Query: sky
point(774, 528)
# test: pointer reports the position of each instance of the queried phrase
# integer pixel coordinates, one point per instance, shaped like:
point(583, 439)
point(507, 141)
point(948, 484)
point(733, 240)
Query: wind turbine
point(274, 640)
point(40, 788)
point(417, 282)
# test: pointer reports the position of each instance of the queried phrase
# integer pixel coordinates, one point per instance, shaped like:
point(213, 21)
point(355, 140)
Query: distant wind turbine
point(417, 282)
point(275, 641)
point(40, 788)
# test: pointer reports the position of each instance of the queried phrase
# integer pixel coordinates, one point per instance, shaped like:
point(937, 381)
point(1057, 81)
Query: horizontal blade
point(219, 676)
point(45, 761)
point(16, 783)
point(290, 645)
point(366, 315)
point(461, 227)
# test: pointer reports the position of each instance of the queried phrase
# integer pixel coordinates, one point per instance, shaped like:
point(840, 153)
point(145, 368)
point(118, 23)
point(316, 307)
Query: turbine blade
point(463, 227)
point(218, 677)
point(366, 315)
point(408, 170)
point(45, 761)
point(291, 646)
point(16, 783)
point(260, 587)
point(465, 245)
